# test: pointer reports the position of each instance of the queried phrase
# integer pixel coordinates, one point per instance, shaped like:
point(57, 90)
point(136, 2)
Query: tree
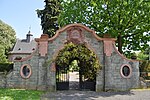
point(49, 16)
point(126, 20)
point(2, 54)
point(144, 55)
point(7, 40)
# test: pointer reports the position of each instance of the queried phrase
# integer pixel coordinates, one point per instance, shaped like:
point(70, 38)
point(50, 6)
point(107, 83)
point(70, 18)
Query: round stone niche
point(25, 71)
point(126, 71)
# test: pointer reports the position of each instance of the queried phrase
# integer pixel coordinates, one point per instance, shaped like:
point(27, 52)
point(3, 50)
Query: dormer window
point(19, 49)
point(18, 58)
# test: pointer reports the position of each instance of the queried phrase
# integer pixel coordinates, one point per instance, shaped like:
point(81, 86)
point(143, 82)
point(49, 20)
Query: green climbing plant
point(87, 59)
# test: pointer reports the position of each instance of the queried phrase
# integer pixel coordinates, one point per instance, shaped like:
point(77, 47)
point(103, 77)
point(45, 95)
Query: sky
point(21, 15)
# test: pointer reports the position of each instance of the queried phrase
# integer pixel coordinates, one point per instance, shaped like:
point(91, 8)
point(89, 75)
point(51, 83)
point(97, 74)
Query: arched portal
point(38, 70)
point(87, 65)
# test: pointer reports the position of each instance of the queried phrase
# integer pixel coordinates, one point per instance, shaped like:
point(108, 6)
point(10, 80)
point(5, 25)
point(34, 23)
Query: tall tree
point(49, 16)
point(126, 20)
point(7, 40)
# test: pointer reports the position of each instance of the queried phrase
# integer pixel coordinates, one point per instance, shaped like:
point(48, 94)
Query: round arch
point(88, 64)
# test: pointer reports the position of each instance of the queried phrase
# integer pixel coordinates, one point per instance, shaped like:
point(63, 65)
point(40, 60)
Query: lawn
point(19, 94)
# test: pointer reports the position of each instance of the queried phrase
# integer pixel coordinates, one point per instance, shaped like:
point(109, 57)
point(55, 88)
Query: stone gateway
point(37, 69)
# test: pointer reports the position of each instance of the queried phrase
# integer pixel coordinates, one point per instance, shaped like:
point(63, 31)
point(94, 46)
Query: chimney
point(28, 38)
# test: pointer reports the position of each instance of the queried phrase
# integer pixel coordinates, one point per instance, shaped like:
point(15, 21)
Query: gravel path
point(90, 95)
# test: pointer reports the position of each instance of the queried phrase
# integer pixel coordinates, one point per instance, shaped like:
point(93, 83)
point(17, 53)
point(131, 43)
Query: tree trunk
point(119, 38)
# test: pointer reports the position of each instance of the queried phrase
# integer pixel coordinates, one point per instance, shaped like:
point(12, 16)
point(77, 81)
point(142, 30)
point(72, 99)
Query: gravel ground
point(90, 95)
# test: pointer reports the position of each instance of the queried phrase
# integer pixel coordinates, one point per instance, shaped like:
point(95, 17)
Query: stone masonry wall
point(43, 67)
point(113, 78)
point(35, 81)
point(3, 80)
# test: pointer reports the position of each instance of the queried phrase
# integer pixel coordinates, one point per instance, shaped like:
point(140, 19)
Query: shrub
point(145, 66)
point(145, 69)
point(6, 67)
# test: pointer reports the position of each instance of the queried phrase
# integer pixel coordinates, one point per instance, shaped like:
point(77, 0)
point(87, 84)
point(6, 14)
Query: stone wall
point(43, 67)
point(113, 78)
point(3, 80)
point(38, 74)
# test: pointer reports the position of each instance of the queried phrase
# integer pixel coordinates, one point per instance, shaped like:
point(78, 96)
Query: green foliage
point(87, 59)
point(6, 67)
point(74, 65)
point(130, 55)
point(145, 66)
point(145, 69)
point(18, 94)
point(7, 40)
point(126, 20)
point(2, 54)
point(144, 55)
point(49, 16)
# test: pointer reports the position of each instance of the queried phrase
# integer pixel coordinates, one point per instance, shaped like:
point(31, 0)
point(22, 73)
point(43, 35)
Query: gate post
point(107, 53)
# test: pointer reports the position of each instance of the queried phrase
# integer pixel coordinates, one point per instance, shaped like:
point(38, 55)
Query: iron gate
point(62, 78)
point(86, 84)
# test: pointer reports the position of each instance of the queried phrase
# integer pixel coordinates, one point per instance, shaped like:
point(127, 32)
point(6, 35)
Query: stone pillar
point(42, 44)
point(42, 50)
point(108, 49)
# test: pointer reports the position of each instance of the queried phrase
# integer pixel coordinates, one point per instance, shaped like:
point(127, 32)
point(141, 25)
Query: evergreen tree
point(49, 16)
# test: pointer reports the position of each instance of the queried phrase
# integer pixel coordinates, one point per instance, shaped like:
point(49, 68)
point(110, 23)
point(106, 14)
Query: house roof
point(23, 46)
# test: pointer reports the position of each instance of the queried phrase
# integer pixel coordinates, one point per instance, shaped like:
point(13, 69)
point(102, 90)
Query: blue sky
point(20, 15)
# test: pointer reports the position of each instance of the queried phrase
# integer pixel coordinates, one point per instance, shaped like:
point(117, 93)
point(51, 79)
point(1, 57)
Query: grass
point(19, 94)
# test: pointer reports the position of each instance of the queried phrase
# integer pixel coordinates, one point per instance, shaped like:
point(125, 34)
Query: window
point(18, 58)
point(126, 71)
point(33, 49)
point(25, 71)
point(19, 49)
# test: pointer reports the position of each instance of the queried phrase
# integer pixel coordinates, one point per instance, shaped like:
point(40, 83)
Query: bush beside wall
point(145, 69)
point(6, 67)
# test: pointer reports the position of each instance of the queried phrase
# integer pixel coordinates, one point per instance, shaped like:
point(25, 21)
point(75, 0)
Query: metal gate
point(86, 85)
point(62, 78)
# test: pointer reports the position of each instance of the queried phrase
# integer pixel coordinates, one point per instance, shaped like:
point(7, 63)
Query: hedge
point(6, 67)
